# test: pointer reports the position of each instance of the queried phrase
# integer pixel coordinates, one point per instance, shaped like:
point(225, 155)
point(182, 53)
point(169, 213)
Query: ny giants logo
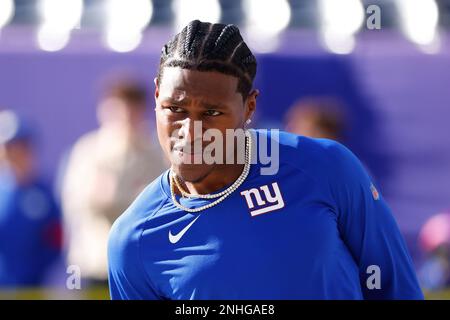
point(269, 200)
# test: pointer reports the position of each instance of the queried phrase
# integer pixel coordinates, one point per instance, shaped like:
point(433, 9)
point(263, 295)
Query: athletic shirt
point(317, 229)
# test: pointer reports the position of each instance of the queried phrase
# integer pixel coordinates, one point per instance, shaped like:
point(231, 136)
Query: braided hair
point(205, 46)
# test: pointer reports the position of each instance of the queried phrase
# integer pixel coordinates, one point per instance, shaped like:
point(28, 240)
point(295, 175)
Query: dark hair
point(132, 92)
point(329, 113)
point(205, 46)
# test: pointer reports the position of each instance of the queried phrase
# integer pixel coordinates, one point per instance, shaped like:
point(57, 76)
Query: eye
point(175, 109)
point(213, 113)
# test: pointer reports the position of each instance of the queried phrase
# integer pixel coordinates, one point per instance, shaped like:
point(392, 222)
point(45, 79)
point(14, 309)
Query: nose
point(190, 130)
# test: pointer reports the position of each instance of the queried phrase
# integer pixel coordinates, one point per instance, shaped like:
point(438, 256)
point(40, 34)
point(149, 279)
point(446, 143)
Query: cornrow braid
point(217, 47)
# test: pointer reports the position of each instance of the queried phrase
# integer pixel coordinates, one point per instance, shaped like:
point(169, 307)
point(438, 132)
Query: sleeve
point(369, 230)
point(127, 277)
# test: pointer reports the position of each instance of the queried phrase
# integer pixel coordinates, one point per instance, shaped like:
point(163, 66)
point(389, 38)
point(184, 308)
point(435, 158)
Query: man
point(106, 170)
point(316, 228)
point(434, 240)
point(316, 117)
point(30, 221)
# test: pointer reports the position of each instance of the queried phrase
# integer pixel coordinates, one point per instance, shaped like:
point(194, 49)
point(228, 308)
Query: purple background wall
point(398, 99)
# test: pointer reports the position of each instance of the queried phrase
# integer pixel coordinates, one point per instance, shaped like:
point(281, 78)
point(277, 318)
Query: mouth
point(187, 154)
point(187, 151)
point(195, 148)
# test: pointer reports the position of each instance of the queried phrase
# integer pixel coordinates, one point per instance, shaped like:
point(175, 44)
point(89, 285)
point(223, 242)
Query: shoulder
point(83, 145)
point(127, 276)
point(126, 229)
point(86, 140)
point(124, 257)
point(310, 154)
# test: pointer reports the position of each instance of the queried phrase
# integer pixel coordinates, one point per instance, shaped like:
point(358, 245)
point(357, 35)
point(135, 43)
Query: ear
point(251, 103)
point(155, 81)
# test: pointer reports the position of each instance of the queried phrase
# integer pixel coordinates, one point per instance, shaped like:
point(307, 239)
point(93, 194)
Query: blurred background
point(76, 116)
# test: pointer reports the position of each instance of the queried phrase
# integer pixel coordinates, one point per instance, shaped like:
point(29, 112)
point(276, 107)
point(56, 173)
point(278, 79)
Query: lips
point(188, 149)
point(181, 157)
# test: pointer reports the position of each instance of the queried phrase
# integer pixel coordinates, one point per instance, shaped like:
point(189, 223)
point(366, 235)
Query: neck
point(219, 178)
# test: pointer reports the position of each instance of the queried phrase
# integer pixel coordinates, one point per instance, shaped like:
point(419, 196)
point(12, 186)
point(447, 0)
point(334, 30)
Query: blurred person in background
point(434, 240)
point(30, 220)
point(316, 117)
point(106, 170)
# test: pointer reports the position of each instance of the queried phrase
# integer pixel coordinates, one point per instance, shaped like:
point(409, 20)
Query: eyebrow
point(208, 105)
point(185, 101)
point(171, 99)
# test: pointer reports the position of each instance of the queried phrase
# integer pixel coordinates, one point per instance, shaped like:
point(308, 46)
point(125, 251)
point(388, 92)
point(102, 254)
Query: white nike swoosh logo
point(175, 238)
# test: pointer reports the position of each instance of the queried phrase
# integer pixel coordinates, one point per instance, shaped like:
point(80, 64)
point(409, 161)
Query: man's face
point(114, 111)
point(20, 154)
point(187, 96)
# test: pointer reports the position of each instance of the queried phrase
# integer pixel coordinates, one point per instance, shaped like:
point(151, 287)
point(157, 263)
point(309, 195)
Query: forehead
point(211, 85)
